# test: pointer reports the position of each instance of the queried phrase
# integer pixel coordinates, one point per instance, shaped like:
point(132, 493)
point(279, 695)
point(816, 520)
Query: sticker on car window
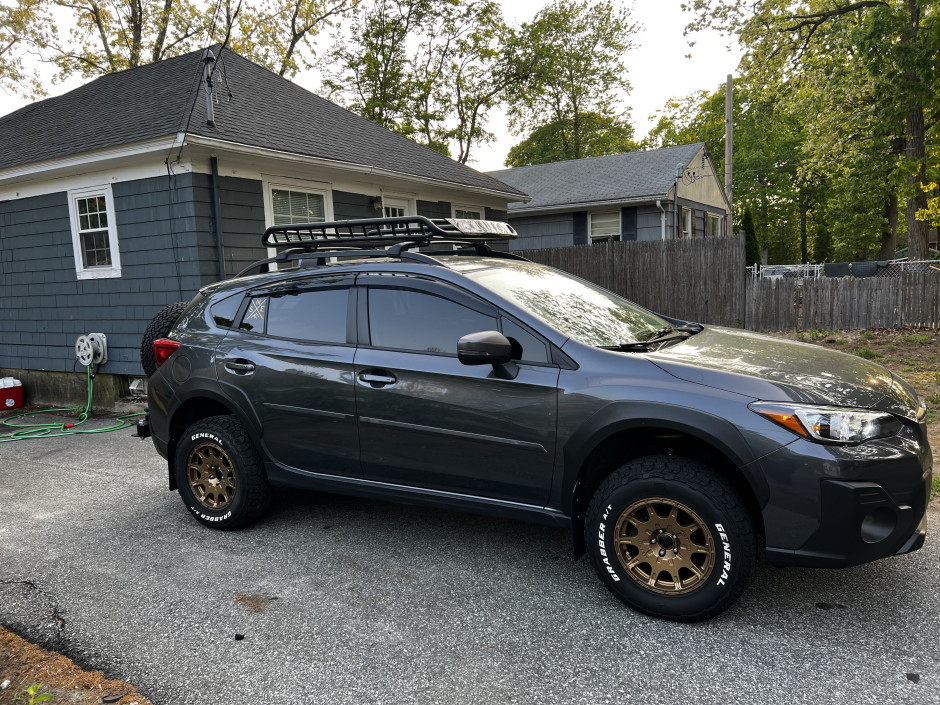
point(254, 316)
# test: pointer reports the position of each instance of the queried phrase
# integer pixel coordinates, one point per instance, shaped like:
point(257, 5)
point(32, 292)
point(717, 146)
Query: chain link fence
point(838, 270)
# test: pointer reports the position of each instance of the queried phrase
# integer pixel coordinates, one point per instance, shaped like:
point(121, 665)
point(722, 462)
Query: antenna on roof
point(209, 60)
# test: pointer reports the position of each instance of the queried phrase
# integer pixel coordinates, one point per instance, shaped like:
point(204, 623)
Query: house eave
point(167, 144)
point(251, 150)
point(80, 160)
point(585, 205)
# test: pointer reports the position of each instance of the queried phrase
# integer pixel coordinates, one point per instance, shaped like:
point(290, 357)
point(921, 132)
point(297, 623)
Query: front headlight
point(830, 424)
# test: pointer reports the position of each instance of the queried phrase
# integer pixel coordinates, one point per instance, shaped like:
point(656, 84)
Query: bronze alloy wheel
point(211, 476)
point(664, 546)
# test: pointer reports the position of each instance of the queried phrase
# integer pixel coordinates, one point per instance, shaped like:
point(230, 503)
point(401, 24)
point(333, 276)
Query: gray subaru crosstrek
point(404, 359)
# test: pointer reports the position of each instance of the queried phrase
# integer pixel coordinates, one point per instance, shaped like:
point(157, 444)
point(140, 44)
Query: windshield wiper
point(658, 334)
point(645, 345)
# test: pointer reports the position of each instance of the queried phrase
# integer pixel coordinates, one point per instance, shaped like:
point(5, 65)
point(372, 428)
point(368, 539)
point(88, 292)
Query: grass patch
point(935, 486)
point(868, 353)
point(917, 338)
point(867, 334)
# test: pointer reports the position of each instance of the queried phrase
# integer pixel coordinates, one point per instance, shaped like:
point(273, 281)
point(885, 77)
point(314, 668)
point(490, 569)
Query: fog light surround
point(878, 525)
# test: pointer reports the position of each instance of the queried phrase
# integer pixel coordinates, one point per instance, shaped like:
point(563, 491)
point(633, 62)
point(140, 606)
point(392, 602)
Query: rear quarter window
point(223, 312)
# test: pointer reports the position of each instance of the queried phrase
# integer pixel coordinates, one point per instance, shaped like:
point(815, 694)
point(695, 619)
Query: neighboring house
point(652, 195)
point(120, 196)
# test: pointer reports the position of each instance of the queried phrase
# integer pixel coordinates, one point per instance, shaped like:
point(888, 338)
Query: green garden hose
point(50, 430)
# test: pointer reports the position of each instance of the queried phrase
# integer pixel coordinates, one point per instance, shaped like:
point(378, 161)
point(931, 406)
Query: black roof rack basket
point(382, 232)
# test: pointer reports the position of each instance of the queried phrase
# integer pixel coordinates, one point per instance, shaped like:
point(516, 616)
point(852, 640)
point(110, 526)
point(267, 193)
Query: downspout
point(662, 218)
point(217, 214)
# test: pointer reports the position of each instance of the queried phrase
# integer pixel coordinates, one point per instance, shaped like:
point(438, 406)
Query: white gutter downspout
point(662, 218)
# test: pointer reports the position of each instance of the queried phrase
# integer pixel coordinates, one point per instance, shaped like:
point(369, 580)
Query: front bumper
point(836, 506)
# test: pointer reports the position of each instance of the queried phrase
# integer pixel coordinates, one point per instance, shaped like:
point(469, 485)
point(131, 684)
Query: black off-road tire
point(159, 327)
point(219, 473)
point(645, 559)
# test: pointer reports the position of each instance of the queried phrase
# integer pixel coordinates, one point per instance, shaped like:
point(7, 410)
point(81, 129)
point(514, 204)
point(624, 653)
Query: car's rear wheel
point(159, 327)
point(671, 538)
point(220, 475)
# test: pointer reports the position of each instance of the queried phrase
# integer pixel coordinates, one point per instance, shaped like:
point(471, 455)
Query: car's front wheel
point(219, 474)
point(671, 538)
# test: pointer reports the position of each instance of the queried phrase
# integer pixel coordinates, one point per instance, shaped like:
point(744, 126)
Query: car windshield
point(588, 313)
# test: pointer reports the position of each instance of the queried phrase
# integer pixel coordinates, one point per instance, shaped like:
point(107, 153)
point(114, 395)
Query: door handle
point(240, 366)
point(377, 381)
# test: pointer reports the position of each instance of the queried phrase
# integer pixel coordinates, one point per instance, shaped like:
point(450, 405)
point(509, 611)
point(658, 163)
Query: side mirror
point(488, 347)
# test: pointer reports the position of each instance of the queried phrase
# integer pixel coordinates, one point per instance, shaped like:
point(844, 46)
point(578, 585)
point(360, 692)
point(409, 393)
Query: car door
point(291, 358)
point(425, 419)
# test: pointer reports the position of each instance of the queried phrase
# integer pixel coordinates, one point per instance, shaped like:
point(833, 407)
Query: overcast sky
point(657, 68)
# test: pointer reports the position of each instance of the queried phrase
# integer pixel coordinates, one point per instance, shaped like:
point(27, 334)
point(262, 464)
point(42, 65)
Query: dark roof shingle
point(265, 111)
point(619, 177)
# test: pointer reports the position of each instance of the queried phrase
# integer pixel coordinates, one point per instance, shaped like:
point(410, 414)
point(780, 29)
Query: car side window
point(533, 349)
point(253, 318)
point(419, 321)
point(315, 315)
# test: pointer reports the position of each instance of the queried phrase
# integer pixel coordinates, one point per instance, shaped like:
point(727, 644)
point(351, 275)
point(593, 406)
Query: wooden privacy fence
point(706, 280)
point(911, 299)
point(699, 280)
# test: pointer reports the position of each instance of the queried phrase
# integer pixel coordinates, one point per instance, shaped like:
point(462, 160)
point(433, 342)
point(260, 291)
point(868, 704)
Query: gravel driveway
point(346, 600)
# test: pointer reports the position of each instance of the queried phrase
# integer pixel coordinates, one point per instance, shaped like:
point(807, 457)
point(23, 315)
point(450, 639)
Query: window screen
point(468, 213)
point(292, 207)
point(317, 315)
point(412, 320)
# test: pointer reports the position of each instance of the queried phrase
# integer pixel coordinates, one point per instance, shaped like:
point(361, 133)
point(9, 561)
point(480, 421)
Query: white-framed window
point(713, 225)
point(94, 233)
point(605, 226)
point(686, 223)
point(290, 206)
point(294, 201)
point(464, 211)
point(395, 207)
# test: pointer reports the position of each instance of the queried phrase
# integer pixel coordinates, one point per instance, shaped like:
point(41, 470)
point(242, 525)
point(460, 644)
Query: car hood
point(774, 369)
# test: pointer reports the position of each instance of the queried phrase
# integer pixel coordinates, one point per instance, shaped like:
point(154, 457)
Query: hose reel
point(92, 349)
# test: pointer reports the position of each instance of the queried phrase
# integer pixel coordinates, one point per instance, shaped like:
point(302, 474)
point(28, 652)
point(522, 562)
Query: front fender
point(622, 416)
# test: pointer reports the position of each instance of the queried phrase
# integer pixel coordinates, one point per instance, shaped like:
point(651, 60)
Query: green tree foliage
point(862, 75)
point(597, 135)
point(431, 70)
point(95, 37)
point(105, 37)
point(279, 34)
point(17, 36)
point(569, 104)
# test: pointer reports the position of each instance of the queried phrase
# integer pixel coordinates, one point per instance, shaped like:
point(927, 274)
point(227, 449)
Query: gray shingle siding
point(353, 206)
point(543, 231)
point(44, 307)
point(649, 223)
point(435, 209)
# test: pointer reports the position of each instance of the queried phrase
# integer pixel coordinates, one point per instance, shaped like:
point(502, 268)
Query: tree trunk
point(917, 200)
point(889, 233)
point(803, 251)
point(916, 153)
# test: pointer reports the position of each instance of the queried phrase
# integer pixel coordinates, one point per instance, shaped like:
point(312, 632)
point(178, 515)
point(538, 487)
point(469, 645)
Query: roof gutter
point(555, 207)
point(239, 148)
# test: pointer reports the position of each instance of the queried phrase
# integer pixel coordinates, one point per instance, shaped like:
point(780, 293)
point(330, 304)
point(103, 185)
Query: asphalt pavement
point(335, 600)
